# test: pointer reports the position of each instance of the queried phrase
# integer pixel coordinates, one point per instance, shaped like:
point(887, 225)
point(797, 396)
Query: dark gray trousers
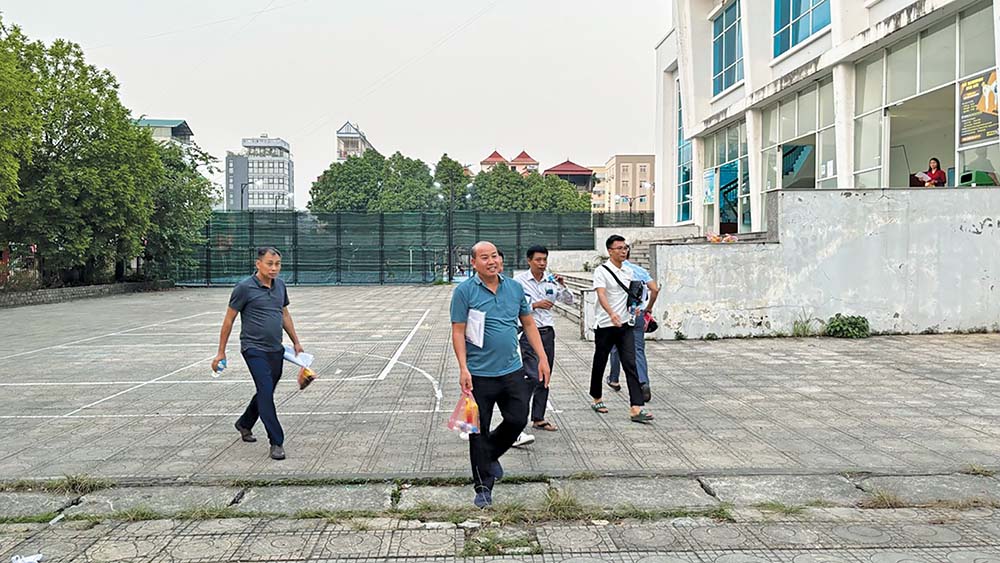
point(537, 394)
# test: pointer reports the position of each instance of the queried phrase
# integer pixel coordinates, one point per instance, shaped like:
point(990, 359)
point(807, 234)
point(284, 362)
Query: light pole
point(277, 198)
point(244, 203)
point(627, 198)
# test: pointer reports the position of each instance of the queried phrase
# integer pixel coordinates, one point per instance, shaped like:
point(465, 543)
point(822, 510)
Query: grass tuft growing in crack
point(779, 508)
point(978, 470)
point(491, 542)
point(881, 499)
point(68, 485)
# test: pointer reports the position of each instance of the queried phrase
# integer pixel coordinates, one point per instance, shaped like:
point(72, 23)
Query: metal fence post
point(423, 246)
point(559, 230)
point(208, 252)
point(381, 248)
point(295, 248)
point(337, 264)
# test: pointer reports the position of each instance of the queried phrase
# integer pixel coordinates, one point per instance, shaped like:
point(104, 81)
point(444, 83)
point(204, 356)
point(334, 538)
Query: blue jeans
point(265, 367)
point(640, 354)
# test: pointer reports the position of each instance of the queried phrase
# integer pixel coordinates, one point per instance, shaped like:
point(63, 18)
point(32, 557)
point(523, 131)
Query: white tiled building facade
point(762, 95)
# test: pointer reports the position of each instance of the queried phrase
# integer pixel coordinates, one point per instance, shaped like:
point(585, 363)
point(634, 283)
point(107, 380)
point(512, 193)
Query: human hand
point(215, 361)
point(465, 380)
point(615, 319)
point(543, 304)
point(298, 349)
point(544, 373)
point(560, 280)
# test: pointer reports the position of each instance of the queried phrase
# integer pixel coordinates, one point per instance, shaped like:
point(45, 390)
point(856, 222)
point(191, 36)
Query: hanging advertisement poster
point(977, 107)
point(709, 187)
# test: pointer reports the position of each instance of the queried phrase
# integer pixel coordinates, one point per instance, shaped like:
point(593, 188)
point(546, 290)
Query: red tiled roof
point(569, 168)
point(523, 158)
point(493, 158)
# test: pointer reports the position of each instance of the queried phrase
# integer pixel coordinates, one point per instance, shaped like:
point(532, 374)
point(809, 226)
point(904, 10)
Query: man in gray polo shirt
point(262, 303)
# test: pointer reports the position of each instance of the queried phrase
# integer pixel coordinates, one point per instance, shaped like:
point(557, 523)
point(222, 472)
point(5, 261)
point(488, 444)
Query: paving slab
point(790, 490)
point(932, 489)
point(292, 500)
point(657, 493)
point(162, 500)
point(529, 495)
point(20, 504)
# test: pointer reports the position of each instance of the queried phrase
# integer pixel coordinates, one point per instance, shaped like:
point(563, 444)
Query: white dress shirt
point(536, 291)
point(617, 297)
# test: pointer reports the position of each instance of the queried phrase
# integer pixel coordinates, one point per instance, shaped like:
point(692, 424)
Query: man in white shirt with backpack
point(617, 294)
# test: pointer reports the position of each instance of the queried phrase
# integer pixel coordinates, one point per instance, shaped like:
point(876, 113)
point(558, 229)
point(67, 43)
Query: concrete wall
point(64, 294)
point(573, 260)
point(638, 235)
point(908, 260)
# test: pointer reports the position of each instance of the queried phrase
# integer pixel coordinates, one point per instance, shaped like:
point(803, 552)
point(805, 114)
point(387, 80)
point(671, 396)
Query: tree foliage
point(373, 184)
point(182, 205)
point(502, 189)
point(19, 121)
point(91, 188)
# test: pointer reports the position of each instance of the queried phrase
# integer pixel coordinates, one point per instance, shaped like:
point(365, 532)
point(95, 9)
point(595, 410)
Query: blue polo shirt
point(499, 354)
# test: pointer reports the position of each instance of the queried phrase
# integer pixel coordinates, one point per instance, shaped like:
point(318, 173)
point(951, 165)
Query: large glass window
point(902, 70)
point(796, 20)
point(799, 140)
point(727, 48)
point(937, 55)
point(868, 84)
point(976, 41)
point(684, 158)
point(729, 173)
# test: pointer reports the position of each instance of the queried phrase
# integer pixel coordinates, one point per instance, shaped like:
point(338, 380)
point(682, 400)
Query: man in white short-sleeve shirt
point(613, 328)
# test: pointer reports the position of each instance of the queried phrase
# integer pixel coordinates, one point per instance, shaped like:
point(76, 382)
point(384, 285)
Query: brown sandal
point(544, 425)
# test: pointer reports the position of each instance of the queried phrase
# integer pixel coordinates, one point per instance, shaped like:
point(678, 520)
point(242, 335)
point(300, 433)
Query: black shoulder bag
point(634, 289)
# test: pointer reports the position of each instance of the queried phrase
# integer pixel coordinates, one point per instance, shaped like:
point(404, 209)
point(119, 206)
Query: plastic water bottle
point(222, 366)
point(551, 278)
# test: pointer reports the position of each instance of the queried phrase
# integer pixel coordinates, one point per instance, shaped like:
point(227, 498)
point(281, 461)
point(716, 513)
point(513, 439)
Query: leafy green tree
point(502, 189)
point(182, 205)
point(350, 185)
point(499, 189)
point(20, 124)
point(406, 186)
point(450, 174)
point(86, 187)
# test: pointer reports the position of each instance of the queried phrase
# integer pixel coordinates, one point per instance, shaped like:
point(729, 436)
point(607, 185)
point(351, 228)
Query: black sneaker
point(647, 394)
point(277, 452)
point(245, 433)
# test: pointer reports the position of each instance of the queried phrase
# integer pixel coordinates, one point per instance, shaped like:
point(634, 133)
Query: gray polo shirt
point(260, 313)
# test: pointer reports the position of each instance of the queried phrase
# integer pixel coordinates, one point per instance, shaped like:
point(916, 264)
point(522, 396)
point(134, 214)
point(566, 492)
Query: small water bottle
point(551, 278)
point(222, 366)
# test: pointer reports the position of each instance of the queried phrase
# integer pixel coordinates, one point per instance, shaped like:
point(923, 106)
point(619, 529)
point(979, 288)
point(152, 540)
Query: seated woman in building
point(934, 177)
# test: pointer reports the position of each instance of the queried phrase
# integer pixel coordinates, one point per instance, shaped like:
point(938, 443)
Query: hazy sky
point(559, 78)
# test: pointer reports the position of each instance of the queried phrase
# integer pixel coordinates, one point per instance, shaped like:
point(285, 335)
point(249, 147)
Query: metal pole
point(451, 230)
point(208, 252)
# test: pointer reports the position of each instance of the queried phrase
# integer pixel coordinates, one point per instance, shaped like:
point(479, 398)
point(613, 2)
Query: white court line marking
point(134, 387)
point(427, 376)
point(215, 333)
point(399, 351)
point(211, 414)
point(19, 354)
point(370, 377)
point(215, 343)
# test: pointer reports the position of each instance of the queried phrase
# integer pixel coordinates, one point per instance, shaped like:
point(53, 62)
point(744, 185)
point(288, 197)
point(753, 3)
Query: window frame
point(720, 83)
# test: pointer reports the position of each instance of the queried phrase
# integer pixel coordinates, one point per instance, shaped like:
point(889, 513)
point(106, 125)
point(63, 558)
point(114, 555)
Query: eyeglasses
point(619, 247)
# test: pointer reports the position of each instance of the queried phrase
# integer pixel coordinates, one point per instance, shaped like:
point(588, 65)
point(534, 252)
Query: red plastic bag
point(465, 417)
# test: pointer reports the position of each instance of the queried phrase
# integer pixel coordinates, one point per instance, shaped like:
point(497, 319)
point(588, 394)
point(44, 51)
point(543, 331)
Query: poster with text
point(978, 108)
point(709, 195)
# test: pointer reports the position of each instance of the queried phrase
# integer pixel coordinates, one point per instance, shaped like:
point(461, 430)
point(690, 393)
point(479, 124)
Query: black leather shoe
point(647, 394)
point(277, 452)
point(245, 433)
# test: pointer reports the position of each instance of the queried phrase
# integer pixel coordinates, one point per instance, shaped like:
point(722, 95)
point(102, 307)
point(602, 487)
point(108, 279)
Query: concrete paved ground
point(120, 387)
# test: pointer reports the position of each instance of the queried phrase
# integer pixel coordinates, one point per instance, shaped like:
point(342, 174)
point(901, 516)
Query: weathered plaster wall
point(640, 235)
point(908, 260)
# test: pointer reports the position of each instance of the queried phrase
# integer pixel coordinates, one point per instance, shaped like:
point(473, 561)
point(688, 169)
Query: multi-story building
point(167, 129)
point(582, 178)
point(351, 141)
point(819, 94)
point(629, 182)
point(262, 176)
point(524, 164)
point(494, 159)
point(599, 195)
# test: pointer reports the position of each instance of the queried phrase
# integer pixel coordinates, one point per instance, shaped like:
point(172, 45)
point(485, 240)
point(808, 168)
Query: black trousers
point(538, 394)
point(506, 392)
point(623, 338)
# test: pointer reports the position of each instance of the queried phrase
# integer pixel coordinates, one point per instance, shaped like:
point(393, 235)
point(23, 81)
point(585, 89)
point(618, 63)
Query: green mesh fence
point(381, 248)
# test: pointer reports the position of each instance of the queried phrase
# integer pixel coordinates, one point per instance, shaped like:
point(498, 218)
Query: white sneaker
point(524, 440)
point(464, 436)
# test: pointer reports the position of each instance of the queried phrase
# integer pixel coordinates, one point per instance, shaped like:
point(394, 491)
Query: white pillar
point(843, 111)
point(755, 130)
point(665, 175)
point(698, 186)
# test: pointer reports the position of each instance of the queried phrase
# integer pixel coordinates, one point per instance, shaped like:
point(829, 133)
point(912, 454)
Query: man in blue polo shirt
point(493, 371)
point(261, 301)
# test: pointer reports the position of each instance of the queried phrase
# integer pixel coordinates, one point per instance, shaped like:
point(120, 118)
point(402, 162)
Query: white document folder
point(475, 327)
